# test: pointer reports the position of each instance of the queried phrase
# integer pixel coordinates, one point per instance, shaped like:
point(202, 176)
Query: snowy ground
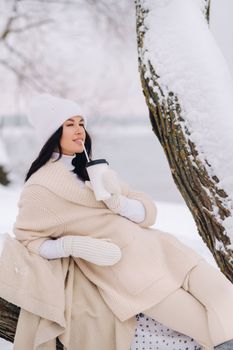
point(5, 345)
point(172, 217)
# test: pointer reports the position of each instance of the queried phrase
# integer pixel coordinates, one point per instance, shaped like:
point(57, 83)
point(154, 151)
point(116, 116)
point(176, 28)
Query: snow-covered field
point(172, 217)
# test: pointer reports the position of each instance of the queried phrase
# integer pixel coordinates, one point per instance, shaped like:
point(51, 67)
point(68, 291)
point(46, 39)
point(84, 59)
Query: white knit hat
point(46, 113)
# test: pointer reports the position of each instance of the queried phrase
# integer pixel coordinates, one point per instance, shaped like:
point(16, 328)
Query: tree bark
point(198, 189)
point(9, 314)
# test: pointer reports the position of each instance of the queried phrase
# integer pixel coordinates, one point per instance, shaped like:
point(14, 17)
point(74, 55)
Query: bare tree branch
point(11, 19)
point(208, 10)
point(30, 25)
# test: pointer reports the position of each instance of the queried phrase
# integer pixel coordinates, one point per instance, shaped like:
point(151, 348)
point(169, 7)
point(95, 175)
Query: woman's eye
point(73, 124)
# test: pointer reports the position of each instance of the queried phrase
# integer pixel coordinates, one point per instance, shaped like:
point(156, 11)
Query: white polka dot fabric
point(152, 335)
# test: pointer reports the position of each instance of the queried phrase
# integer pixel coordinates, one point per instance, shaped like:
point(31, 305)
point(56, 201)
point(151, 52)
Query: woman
point(134, 267)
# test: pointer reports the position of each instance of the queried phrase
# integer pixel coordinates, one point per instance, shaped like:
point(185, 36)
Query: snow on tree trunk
point(188, 90)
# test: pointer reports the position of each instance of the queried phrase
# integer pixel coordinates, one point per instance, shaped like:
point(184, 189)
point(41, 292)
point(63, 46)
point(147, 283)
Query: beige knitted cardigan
point(57, 300)
point(153, 264)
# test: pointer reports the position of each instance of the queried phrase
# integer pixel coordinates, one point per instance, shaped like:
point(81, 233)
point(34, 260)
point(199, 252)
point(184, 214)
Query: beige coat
point(153, 263)
point(64, 304)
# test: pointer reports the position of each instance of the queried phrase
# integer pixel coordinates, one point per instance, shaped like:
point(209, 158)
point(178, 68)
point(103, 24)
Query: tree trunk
point(188, 172)
point(9, 314)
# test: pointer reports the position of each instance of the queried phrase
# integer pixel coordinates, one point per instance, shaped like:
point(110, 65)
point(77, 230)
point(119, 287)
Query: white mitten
point(111, 181)
point(113, 203)
point(97, 251)
point(112, 185)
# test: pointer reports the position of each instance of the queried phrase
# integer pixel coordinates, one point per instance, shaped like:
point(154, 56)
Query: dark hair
point(79, 161)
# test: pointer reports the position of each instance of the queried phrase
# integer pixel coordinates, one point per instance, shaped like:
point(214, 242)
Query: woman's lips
point(79, 142)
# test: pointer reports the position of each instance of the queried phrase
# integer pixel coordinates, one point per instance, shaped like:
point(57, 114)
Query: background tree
point(3, 161)
point(3, 177)
point(42, 47)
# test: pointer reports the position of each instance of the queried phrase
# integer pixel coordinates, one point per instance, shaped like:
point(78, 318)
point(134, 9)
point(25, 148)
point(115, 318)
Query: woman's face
point(73, 131)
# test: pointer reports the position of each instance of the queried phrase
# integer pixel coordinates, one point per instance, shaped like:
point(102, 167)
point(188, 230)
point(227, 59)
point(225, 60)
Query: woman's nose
point(78, 128)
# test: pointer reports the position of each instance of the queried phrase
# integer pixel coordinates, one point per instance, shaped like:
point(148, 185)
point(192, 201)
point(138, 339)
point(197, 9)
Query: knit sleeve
point(145, 199)
point(35, 223)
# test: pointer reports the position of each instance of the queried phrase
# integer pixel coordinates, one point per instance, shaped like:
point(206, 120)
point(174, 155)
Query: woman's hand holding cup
point(112, 185)
point(111, 181)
